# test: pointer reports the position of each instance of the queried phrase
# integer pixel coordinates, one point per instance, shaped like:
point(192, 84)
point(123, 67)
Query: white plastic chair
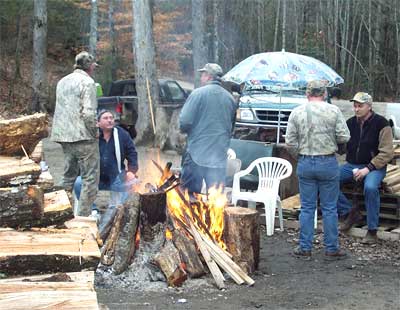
point(271, 170)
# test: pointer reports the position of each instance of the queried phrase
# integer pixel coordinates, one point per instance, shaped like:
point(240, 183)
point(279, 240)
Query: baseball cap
point(362, 98)
point(316, 88)
point(83, 60)
point(212, 69)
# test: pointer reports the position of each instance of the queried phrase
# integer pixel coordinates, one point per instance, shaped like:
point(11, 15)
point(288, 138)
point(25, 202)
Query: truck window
point(129, 90)
point(176, 91)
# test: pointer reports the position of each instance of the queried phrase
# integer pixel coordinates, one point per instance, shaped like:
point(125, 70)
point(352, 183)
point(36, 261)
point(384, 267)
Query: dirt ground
point(368, 279)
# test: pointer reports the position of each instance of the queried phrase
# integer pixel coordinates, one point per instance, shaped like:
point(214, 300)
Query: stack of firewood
point(391, 183)
point(38, 232)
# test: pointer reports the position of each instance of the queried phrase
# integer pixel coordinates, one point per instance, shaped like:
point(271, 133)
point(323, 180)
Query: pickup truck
point(264, 111)
point(123, 101)
point(393, 115)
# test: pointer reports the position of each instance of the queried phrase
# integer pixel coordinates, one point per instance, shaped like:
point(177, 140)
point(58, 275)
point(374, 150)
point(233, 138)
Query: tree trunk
point(93, 28)
point(111, 24)
point(276, 25)
point(39, 81)
point(199, 34)
point(152, 213)
point(397, 27)
point(284, 24)
point(146, 75)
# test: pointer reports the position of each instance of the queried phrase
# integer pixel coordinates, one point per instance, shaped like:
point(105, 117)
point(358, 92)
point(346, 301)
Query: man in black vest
point(369, 150)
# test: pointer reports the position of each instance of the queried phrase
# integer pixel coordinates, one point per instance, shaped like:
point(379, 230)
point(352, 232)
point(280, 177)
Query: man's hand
point(130, 176)
point(361, 173)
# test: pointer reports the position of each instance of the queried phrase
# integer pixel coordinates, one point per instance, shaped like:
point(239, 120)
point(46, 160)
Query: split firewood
point(20, 206)
point(169, 261)
point(212, 266)
point(25, 130)
point(391, 180)
point(125, 245)
point(37, 153)
point(85, 222)
point(107, 219)
point(108, 250)
point(14, 171)
point(391, 168)
point(242, 236)
point(292, 202)
point(46, 181)
point(188, 254)
point(46, 292)
point(394, 189)
point(47, 250)
point(57, 210)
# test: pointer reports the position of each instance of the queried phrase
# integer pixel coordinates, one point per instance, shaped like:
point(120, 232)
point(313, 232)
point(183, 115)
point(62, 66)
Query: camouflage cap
point(212, 69)
point(362, 98)
point(316, 88)
point(83, 60)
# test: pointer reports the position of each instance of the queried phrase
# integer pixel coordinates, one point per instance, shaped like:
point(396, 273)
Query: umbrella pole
point(279, 117)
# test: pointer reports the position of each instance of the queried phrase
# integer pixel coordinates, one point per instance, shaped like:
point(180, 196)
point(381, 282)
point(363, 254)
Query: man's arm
point(292, 137)
point(89, 106)
point(189, 112)
point(385, 148)
point(130, 152)
point(342, 130)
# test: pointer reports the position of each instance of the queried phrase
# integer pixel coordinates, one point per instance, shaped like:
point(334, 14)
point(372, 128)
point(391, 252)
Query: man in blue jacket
point(207, 118)
point(115, 146)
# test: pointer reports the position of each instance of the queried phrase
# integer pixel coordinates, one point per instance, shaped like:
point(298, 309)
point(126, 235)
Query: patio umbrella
point(282, 69)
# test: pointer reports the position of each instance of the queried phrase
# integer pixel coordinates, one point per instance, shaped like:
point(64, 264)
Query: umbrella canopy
point(282, 69)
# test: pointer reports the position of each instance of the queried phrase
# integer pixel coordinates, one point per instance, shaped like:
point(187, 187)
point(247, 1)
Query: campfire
point(164, 229)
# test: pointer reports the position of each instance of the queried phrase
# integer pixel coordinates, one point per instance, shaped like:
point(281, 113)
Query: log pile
point(38, 232)
point(391, 183)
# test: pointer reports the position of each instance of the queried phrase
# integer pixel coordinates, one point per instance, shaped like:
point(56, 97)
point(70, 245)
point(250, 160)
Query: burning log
point(14, 171)
point(242, 236)
point(47, 250)
point(107, 219)
point(20, 206)
point(169, 261)
point(126, 245)
point(188, 253)
point(152, 212)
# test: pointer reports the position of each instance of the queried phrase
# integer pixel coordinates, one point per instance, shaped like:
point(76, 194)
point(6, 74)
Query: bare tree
point(39, 81)
point(199, 33)
point(283, 24)
point(276, 25)
point(93, 28)
point(111, 26)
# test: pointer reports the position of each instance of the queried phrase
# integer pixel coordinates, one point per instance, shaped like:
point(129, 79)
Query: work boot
point(370, 238)
point(354, 217)
point(302, 253)
point(337, 255)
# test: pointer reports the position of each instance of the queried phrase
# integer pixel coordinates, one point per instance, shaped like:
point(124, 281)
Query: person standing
point(369, 151)
point(115, 146)
point(207, 118)
point(74, 127)
point(315, 129)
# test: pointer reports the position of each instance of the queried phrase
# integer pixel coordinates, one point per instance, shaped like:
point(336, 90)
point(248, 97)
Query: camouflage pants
point(82, 158)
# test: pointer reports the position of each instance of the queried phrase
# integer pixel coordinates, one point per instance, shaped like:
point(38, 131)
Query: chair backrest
point(271, 170)
point(232, 166)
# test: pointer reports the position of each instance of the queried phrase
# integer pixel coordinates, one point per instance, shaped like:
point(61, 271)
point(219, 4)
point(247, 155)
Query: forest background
point(360, 39)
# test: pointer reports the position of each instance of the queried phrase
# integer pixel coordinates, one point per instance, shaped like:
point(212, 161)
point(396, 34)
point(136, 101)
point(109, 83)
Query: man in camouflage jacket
point(74, 127)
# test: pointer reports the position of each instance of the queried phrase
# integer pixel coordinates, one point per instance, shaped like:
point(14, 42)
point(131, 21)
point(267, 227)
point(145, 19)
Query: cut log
point(106, 222)
point(394, 189)
point(242, 237)
point(108, 250)
point(292, 202)
point(37, 153)
point(153, 211)
point(393, 179)
point(77, 292)
point(169, 261)
point(188, 254)
point(20, 206)
point(47, 250)
point(57, 210)
point(14, 171)
point(126, 244)
point(25, 130)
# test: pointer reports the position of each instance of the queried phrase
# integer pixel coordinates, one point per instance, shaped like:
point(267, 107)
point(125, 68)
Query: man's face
point(361, 109)
point(91, 69)
point(106, 121)
point(205, 77)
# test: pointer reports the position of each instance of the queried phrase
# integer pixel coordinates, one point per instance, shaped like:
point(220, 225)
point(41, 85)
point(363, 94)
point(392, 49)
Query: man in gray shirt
point(207, 118)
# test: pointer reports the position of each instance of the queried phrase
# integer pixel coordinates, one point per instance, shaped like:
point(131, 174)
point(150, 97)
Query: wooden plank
point(82, 277)
point(15, 171)
point(85, 222)
point(47, 250)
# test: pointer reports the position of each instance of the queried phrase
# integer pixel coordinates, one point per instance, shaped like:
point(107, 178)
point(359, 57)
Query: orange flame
point(209, 211)
point(168, 234)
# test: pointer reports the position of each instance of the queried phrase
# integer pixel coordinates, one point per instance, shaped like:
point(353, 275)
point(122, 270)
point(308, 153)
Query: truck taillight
point(118, 108)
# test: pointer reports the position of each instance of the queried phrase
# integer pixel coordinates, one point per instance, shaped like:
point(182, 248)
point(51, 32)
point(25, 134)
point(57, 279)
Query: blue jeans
point(371, 193)
point(119, 190)
point(193, 175)
point(318, 174)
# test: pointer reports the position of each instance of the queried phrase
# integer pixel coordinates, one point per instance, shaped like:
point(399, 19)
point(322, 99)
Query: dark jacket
point(370, 144)
point(108, 161)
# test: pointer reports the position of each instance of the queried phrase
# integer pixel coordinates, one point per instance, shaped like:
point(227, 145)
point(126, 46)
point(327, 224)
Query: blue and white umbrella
point(282, 69)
